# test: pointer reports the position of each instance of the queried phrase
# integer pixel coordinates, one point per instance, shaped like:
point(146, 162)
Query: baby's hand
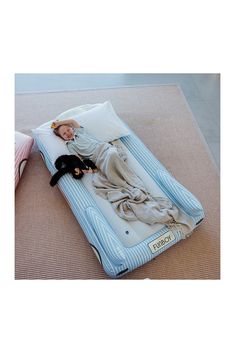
point(87, 171)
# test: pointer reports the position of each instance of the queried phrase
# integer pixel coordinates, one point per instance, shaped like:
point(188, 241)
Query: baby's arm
point(72, 122)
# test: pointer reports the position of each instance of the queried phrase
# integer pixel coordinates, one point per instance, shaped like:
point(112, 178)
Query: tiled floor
point(202, 92)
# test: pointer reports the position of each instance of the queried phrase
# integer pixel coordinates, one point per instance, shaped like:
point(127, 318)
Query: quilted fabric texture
point(23, 145)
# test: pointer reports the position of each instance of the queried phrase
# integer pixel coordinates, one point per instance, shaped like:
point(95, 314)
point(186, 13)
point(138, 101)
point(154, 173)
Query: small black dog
point(71, 164)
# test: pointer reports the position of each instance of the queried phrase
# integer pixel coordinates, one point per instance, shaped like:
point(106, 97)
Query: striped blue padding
point(178, 193)
point(107, 237)
point(117, 259)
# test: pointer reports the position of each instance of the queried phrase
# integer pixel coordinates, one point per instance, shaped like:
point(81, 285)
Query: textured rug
point(50, 244)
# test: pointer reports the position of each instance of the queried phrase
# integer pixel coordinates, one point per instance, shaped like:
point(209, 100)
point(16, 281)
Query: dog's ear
point(79, 163)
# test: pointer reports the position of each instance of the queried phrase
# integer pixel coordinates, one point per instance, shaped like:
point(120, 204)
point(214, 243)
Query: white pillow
point(99, 120)
point(103, 123)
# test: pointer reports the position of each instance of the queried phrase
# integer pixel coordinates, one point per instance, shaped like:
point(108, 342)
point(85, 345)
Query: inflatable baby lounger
point(120, 246)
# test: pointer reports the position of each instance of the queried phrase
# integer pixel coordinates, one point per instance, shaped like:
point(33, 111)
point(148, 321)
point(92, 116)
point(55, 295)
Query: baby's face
point(66, 132)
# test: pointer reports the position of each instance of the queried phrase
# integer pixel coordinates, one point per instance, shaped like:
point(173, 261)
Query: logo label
point(161, 241)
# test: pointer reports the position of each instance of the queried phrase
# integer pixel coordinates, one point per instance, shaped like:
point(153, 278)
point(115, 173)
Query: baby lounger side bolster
point(111, 245)
point(187, 201)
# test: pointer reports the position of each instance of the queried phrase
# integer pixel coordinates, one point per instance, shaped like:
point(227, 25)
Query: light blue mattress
point(119, 245)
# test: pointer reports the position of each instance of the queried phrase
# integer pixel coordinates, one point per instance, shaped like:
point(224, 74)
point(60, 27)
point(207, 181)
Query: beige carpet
point(50, 243)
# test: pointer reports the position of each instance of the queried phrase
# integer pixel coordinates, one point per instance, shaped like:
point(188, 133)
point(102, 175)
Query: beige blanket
point(119, 184)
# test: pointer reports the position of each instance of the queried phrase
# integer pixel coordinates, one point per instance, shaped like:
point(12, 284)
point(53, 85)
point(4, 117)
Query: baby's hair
point(56, 131)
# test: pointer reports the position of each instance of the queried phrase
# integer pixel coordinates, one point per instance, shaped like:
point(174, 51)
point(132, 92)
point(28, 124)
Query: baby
point(69, 130)
point(64, 129)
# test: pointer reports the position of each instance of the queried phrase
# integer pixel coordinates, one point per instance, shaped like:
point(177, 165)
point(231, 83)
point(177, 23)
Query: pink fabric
point(23, 145)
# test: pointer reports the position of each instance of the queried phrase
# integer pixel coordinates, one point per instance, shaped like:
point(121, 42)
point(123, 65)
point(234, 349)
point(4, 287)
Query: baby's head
point(66, 132)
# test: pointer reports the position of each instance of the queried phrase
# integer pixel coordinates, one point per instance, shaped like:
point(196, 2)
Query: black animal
point(71, 164)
